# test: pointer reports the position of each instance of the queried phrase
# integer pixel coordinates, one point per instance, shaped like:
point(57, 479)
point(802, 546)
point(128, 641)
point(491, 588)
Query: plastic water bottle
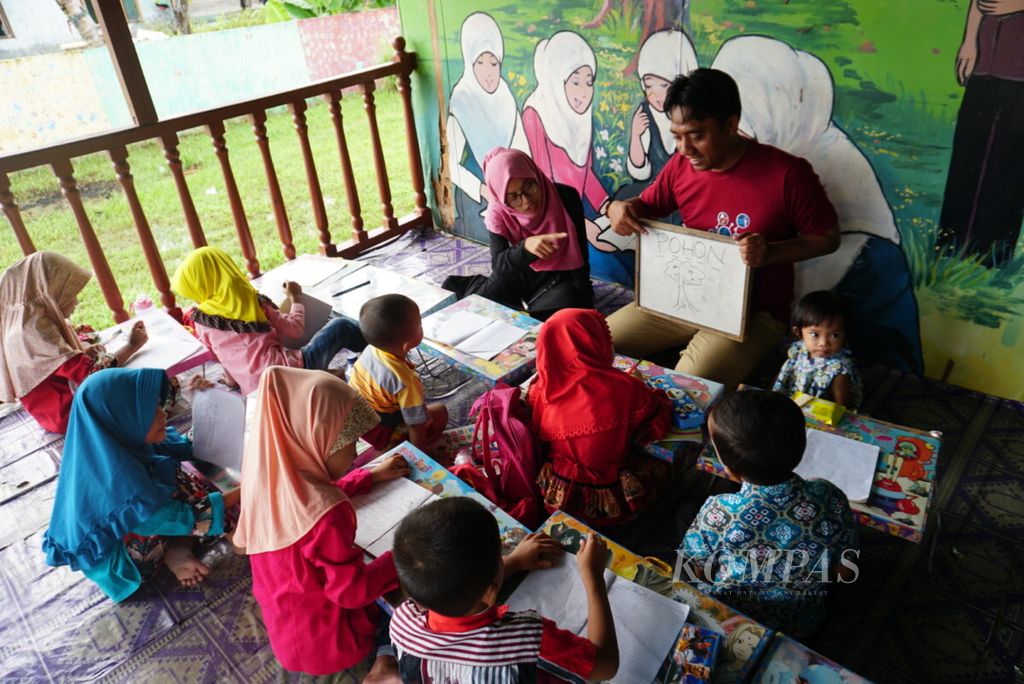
point(142, 303)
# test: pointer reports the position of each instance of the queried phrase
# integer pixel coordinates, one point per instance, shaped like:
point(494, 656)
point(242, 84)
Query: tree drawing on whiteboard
point(688, 262)
point(694, 276)
point(684, 274)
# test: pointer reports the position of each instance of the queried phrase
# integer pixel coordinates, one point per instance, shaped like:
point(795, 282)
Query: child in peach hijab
point(42, 361)
point(298, 527)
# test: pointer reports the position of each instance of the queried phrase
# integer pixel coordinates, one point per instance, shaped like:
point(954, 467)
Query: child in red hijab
point(588, 414)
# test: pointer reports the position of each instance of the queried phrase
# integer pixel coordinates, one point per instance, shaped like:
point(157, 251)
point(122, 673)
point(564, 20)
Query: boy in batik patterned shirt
point(772, 549)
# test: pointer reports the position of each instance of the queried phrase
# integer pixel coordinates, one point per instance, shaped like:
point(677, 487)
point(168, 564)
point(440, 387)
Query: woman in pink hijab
point(538, 242)
point(298, 526)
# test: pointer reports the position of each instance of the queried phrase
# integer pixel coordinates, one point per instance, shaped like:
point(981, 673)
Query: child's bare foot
point(385, 669)
point(180, 560)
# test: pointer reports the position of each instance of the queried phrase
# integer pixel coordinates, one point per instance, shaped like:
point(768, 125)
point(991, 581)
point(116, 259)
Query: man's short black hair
point(760, 436)
point(704, 93)
point(447, 554)
point(817, 308)
point(387, 320)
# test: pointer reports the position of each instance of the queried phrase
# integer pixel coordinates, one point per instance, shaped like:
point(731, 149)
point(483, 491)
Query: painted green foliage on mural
point(898, 98)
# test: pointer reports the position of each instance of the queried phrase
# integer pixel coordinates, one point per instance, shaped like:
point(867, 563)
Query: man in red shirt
point(769, 200)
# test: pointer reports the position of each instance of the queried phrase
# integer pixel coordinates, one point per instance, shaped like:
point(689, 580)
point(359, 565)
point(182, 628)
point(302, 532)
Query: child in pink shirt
point(298, 527)
point(243, 329)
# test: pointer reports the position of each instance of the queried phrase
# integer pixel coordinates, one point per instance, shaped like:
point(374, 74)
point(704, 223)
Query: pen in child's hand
point(112, 337)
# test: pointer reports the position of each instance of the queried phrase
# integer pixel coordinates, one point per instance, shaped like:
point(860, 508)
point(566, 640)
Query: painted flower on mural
point(600, 153)
point(603, 134)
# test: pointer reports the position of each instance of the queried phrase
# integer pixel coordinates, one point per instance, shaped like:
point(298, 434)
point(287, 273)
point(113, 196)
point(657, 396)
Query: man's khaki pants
point(708, 354)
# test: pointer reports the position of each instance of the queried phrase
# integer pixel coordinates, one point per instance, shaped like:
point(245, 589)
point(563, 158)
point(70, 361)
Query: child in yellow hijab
point(243, 329)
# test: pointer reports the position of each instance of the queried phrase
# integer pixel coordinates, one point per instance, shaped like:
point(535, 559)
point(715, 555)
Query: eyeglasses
point(518, 199)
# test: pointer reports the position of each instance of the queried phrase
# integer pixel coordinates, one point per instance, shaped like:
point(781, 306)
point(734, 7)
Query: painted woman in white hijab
point(482, 115)
point(558, 119)
point(786, 97)
point(664, 56)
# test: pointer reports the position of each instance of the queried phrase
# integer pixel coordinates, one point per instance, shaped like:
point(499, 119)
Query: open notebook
point(379, 512)
point(646, 623)
point(477, 335)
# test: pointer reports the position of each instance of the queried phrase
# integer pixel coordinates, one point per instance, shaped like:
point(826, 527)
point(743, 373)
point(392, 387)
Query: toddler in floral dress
point(819, 363)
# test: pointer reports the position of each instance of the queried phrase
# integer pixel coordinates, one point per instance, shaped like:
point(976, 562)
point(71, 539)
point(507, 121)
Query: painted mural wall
point(909, 112)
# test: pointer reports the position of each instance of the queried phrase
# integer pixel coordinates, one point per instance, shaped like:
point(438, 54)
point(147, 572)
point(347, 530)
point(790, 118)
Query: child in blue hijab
point(123, 503)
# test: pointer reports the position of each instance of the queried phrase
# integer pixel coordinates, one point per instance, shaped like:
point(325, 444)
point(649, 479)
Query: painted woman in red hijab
point(538, 240)
point(589, 415)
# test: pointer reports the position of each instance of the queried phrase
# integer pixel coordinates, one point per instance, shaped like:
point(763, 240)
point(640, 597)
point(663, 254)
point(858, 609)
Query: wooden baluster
point(13, 214)
point(348, 176)
point(237, 210)
point(408, 62)
point(316, 198)
point(119, 157)
point(284, 229)
point(378, 156)
point(195, 229)
point(66, 175)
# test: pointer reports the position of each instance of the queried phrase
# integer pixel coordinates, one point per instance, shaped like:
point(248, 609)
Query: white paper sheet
point(218, 427)
point(317, 313)
point(385, 543)
point(846, 463)
point(492, 340)
point(169, 343)
point(348, 293)
point(646, 627)
point(646, 623)
point(251, 402)
point(556, 593)
point(458, 327)
point(307, 271)
point(384, 507)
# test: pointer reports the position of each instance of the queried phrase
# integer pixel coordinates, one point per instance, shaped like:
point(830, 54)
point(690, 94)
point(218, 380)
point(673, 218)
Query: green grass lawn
point(52, 226)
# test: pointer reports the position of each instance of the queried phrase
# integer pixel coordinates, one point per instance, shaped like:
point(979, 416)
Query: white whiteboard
point(694, 276)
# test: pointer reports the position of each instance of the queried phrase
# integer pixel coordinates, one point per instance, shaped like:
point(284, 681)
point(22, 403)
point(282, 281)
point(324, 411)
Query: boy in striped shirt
point(448, 557)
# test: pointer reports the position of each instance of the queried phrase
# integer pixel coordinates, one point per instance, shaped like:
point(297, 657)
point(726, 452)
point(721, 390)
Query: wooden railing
point(59, 159)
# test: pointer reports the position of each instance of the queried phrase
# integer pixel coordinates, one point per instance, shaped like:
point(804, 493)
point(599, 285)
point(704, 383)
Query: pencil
point(111, 338)
point(349, 289)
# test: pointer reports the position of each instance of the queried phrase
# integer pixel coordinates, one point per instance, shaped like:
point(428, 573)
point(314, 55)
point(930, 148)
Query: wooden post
point(66, 175)
point(188, 207)
point(378, 155)
point(284, 229)
point(118, 36)
point(119, 157)
point(408, 62)
point(348, 176)
point(316, 197)
point(235, 199)
point(13, 214)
